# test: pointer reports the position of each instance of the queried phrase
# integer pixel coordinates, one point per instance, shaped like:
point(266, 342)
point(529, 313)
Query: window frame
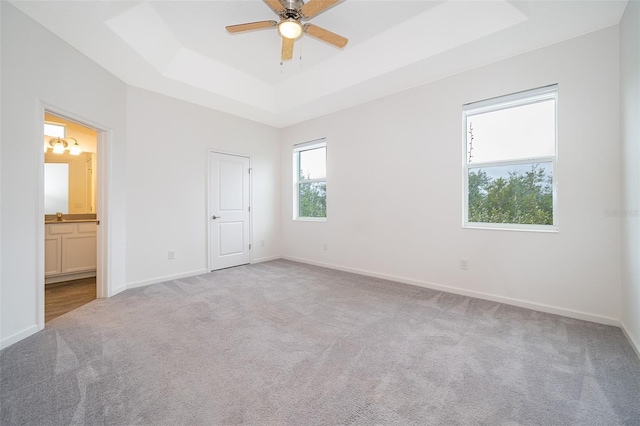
point(297, 149)
point(514, 100)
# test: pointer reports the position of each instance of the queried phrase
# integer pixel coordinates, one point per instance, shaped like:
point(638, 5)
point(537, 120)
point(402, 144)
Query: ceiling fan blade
point(313, 7)
point(287, 48)
point(250, 26)
point(325, 35)
point(275, 5)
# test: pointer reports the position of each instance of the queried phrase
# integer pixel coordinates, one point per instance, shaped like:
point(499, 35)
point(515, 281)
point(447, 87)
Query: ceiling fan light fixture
point(290, 28)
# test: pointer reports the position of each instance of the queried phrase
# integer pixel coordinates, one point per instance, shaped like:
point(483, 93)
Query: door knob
point(216, 217)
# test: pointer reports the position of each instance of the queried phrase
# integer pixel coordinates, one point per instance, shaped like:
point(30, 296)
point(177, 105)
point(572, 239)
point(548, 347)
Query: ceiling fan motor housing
point(291, 9)
point(292, 4)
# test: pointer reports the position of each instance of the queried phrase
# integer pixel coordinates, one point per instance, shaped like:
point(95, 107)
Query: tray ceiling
point(181, 48)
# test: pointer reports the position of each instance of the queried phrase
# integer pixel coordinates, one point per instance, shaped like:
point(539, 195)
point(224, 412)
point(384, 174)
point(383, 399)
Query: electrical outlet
point(171, 254)
point(325, 247)
point(262, 243)
point(464, 264)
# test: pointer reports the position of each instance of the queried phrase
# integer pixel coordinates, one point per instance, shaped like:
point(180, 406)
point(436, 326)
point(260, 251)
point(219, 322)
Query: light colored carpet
point(287, 343)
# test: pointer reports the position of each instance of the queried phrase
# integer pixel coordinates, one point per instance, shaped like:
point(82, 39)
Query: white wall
point(160, 169)
point(1, 298)
point(394, 186)
point(394, 179)
point(168, 143)
point(39, 67)
point(630, 129)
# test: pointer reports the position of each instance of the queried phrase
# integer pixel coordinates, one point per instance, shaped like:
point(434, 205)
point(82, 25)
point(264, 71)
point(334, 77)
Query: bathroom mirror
point(56, 188)
point(69, 186)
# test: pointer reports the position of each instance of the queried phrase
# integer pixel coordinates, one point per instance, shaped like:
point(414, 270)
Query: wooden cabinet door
point(79, 249)
point(52, 255)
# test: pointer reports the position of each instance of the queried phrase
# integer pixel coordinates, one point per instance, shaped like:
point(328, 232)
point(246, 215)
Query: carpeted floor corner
point(287, 343)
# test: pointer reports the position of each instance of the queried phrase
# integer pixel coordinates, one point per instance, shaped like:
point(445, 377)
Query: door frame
point(208, 206)
point(103, 212)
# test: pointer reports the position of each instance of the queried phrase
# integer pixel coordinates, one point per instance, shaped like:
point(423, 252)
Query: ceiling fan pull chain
point(300, 43)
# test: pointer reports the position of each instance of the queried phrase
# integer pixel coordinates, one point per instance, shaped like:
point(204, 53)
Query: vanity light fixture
point(75, 149)
point(59, 145)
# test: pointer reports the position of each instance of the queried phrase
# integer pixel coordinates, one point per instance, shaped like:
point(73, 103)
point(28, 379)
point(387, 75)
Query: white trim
point(5, 343)
point(311, 219)
point(525, 97)
point(41, 108)
point(306, 146)
point(295, 191)
point(116, 290)
point(208, 209)
point(635, 345)
point(314, 180)
point(266, 259)
point(524, 227)
point(103, 211)
point(104, 286)
point(250, 209)
point(166, 278)
point(476, 294)
point(504, 163)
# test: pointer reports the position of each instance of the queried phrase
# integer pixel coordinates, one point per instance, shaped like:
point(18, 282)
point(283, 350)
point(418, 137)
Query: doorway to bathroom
point(70, 220)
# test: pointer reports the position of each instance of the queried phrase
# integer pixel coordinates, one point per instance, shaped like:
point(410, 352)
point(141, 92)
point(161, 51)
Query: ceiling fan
point(291, 13)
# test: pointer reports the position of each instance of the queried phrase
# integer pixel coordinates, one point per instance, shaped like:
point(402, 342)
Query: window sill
point(310, 219)
point(548, 229)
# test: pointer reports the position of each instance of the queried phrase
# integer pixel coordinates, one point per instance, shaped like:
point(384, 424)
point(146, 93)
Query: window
point(310, 177)
point(510, 161)
point(54, 130)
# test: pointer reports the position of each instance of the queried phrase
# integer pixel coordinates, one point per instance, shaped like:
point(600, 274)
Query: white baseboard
point(115, 291)
point(266, 259)
point(5, 343)
point(186, 274)
point(166, 278)
point(479, 295)
point(632, 342)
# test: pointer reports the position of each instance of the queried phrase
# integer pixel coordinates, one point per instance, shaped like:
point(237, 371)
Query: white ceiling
point(180, 48)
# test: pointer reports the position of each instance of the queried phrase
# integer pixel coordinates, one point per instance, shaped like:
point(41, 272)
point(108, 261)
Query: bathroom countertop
point(47, 222)
point(70, 218)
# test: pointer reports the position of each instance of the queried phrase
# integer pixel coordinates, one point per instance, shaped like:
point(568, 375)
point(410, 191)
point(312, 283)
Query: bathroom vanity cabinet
point(70, 250)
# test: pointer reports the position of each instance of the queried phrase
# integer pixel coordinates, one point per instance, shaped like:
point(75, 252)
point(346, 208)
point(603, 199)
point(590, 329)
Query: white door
point(229, 210)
